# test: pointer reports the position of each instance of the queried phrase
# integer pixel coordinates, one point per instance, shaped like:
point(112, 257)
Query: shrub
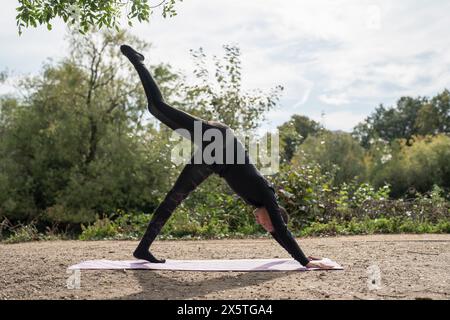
point(333, 150)
point(101, 229)
point(24, 234)
point(416, 167)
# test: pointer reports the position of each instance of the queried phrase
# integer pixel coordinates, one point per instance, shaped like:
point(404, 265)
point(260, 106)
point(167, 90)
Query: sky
point(337, 60)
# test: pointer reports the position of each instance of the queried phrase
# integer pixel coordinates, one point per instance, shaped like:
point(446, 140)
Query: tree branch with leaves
point(89, 14)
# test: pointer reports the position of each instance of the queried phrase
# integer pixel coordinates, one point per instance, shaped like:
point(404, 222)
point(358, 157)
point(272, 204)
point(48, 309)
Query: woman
point(233, 165)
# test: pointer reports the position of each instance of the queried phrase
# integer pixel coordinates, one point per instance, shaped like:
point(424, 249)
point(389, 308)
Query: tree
point(391, 123)
point(77, 144)
point(412, 116)
point(85, 14)
point(220, 96)
point(294, 132)
point(3, 76)
point(415, 167)
point(434, 116)
point(336, 152)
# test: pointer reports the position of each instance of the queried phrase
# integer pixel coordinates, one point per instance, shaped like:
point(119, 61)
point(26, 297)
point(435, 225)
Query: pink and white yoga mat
point(203, 265)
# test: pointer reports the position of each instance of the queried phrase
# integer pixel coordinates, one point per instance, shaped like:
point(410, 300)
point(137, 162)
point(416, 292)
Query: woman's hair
point(284, 214)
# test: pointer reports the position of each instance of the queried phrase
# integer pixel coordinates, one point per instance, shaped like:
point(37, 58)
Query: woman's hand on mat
point(319, 265)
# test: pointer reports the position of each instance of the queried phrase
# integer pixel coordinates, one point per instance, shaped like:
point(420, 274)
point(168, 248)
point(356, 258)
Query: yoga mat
point(203, 265)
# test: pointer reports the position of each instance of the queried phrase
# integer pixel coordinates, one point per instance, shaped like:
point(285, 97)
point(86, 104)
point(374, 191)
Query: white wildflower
point(385, 158)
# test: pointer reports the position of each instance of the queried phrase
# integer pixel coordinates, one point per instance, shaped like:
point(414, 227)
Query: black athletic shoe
point(131, 54)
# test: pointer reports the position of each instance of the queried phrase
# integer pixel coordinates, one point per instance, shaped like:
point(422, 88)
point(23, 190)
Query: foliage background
point(81, 157)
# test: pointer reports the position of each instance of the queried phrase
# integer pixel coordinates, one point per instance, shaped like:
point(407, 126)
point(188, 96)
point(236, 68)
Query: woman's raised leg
point(172, 117)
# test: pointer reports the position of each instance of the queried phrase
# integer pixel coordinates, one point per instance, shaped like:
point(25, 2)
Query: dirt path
point(411, 266)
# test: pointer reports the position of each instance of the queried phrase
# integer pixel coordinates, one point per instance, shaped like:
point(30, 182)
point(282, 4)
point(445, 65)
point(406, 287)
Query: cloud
point(6, 88)
point(327, 54)
point(334, 99)
point(339, 120)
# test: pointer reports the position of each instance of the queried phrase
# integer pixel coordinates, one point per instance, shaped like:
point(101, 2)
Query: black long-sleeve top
point(254, 189)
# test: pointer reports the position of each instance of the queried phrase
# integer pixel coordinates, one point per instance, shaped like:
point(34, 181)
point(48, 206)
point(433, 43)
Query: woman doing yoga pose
point(240, 174)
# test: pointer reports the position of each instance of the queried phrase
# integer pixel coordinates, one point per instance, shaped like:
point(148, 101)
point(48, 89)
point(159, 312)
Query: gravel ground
point(411, 267)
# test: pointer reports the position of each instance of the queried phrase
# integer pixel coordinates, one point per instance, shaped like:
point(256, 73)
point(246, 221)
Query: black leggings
point(192, 174)
point(170, 116)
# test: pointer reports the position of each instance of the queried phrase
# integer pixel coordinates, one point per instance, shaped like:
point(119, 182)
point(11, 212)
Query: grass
point(107, 229)
point(29, 233)
point(183, 230)
point(375, 226)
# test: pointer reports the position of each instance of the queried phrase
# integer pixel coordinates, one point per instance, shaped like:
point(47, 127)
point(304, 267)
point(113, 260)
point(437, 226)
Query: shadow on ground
point(169, 285)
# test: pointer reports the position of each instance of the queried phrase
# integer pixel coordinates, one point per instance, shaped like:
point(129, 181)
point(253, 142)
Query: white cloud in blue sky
point(338, 57)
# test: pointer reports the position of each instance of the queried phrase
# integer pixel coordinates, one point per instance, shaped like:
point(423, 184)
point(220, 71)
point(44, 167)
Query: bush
point(305, 192)
point(24, 234)
point(337, 152)
point(416, 167)
point(101, 229)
